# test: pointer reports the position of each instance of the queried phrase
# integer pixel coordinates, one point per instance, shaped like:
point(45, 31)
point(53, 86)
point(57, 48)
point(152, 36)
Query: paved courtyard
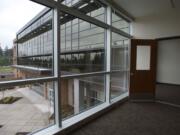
point(28, 114)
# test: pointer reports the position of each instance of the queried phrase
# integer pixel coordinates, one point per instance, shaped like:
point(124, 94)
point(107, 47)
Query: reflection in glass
point(119, 64)
point(82, 51)
point(119, 52)
point(120, 23)
point(91, 8)
point(80, 94)
point(119, 84)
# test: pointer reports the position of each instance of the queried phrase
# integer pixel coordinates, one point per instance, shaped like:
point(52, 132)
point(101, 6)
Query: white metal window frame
point(60, 125)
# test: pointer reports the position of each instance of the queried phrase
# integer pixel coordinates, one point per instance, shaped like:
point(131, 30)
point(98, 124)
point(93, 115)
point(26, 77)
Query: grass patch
point(9, 100)
point(6, 69)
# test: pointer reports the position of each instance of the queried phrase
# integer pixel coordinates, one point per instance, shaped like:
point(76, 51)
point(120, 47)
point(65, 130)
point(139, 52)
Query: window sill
point(80, 119)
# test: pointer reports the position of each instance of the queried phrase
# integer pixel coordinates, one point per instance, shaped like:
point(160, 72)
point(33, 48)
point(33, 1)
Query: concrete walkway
point(26, 115)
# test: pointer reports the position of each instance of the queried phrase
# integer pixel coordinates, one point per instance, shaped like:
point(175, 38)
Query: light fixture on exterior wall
point(172, 3)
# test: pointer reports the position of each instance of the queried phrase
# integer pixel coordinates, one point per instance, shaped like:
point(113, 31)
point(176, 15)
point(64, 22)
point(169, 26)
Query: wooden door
point(143, 69)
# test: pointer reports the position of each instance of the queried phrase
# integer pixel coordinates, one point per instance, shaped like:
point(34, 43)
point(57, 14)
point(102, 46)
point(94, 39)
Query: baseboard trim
point(170, 84)
point(142, 100)
point(142, 97)
point(167, 103)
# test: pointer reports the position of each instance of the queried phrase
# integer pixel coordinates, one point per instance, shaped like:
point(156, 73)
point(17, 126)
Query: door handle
point(131, 74)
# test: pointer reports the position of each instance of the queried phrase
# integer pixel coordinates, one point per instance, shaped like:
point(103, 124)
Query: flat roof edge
point(31, 68)
point(46, 9)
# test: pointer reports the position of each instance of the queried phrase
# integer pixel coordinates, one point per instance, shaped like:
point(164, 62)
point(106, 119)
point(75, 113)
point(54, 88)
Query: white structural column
point(108, 54)
point(57, 86)
point(76, 96)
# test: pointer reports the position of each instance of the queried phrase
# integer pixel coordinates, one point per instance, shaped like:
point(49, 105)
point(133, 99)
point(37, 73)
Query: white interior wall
point(157, 25)
point(168, 67)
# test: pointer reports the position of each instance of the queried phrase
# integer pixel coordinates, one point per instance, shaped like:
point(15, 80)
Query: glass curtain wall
point(35, 60)
point(27, 90)
point(82, 52)
point(119, 23)
point(79, 94)
point(82, 47)
point(93, 8)
point(27, 108)
point(83, 60)
point(119, 65)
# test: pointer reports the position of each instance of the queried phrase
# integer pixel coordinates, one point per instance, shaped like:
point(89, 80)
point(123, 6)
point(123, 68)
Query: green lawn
point(6, 69)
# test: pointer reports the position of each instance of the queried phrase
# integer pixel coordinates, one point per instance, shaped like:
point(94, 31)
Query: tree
point(6, 56)
point(6, 51)
point(1, 51)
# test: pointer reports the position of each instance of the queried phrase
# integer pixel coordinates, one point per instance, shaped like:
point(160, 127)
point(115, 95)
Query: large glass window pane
point(25, 52)
point(31, 54)
point(9, 25)
point(80, 94)
point(119, 65)
point(26, 108)
point(82, 48)
point(118, 83)
point(91, 8)
point(120, 23)
point(119, 52)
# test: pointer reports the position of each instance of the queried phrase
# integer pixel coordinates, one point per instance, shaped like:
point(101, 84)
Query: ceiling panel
point(139, 8)
point(177, 4)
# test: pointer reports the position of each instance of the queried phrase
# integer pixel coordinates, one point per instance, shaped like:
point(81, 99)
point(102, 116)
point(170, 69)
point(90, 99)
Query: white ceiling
point(138, 8)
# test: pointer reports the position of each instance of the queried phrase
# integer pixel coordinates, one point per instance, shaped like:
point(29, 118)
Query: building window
point(26, 91)
point(80, 94)
point(119, 65)
point(119, 23)
point(82, 47)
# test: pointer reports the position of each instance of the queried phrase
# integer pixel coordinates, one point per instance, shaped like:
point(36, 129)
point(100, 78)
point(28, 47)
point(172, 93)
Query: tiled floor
point(26, 115)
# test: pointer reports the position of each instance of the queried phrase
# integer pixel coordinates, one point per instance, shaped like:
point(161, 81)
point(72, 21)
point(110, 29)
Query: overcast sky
point(14, 14)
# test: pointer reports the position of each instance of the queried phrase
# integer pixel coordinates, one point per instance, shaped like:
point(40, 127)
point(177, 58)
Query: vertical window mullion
point(56, 63)
point(108, 54)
